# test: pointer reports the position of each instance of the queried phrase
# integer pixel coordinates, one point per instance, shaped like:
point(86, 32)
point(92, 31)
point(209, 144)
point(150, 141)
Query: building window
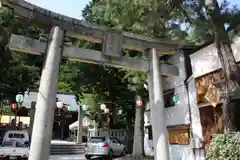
point(149, 132)
point(179, 135)
point(168, 98)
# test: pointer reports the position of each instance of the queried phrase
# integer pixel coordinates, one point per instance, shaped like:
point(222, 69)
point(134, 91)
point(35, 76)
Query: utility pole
point(80, 127)
point(161, 146)
point(46, 100)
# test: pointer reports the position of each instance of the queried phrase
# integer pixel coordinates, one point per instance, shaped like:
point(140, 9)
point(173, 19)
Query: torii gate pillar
point(160, 134)
point(46, 100)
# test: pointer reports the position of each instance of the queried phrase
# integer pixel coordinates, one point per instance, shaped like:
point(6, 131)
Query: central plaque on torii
point(112, 44)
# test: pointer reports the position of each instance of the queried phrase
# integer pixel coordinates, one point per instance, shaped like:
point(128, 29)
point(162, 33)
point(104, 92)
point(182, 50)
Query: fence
point(119, 133)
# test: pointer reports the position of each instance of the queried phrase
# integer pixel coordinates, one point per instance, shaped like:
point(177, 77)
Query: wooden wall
point(212, 121)
point(202, 84)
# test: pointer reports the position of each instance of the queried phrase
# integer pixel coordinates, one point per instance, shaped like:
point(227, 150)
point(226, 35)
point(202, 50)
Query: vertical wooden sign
point(112, 44)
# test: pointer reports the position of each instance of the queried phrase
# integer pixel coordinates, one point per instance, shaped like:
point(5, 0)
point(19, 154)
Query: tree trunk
point(129, 138)
point(230, 68)
point(138, 134)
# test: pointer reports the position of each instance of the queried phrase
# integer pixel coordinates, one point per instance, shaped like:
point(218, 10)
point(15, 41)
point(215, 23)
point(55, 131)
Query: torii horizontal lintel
point(80, 29)
point(37, 47)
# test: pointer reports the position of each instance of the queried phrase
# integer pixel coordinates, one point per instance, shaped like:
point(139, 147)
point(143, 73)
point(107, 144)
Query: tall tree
point(230, 69)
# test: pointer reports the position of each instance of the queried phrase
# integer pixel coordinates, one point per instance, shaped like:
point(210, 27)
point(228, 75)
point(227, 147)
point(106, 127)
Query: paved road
point(76, 157)
point(67, 157)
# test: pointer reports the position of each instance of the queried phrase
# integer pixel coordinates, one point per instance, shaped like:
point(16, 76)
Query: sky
point(73, 8)
point(70, 8)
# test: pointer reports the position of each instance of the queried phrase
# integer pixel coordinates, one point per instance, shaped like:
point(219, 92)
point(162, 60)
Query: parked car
point(104, 147)
point(15, 145)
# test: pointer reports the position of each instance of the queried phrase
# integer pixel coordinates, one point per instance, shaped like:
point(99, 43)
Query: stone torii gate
point(113, 41)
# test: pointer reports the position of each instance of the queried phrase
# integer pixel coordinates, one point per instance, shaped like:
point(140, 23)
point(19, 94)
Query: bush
point(224, 147)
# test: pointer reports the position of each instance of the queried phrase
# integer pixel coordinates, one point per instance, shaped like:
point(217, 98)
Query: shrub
point(224, 147)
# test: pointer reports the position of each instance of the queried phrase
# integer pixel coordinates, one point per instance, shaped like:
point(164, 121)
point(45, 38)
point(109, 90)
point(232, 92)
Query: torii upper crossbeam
point(83, 30)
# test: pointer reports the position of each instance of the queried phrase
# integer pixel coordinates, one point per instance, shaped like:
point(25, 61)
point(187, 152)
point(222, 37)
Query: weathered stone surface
point(32, 46)
point(27, 45)
point(113, 44)
point(80, 29)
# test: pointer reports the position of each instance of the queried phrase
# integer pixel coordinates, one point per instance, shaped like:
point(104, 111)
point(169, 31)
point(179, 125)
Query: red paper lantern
point(14, 106)
point(139, 102)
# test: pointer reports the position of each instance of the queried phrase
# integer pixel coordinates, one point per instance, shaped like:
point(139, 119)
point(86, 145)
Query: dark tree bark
point(230, 68)
point(138, 143)
point(130, 131)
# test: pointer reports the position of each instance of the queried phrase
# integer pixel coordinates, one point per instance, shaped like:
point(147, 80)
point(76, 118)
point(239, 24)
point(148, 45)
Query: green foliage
point(102, 83)
point(196, 22)
point(18, 71)
point(6, 110)
point(224, 147)
point(93, 111)
point(143, 17)
point(148, 17)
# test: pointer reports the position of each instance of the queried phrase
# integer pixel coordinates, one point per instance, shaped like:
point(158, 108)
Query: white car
point(105, 147)
point(15, 145)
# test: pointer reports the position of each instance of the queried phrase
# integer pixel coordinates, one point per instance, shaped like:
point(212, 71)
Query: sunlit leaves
point(224, 147)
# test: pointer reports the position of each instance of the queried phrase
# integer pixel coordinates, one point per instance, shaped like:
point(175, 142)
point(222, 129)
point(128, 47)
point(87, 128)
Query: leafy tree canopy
point(18, 71)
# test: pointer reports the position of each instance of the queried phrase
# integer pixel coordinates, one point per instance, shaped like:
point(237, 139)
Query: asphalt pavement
point(67, 157)
point(76, 157)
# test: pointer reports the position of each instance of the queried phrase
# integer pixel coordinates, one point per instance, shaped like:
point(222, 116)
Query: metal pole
point(46, 100)
point(80, 128)
point(161, 147)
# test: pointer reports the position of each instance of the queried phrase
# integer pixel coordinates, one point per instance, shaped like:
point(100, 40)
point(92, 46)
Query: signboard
point(113, 44)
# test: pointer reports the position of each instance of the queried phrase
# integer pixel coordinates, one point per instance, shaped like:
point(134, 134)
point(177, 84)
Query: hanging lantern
point(14, 106)
point(139, 102)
